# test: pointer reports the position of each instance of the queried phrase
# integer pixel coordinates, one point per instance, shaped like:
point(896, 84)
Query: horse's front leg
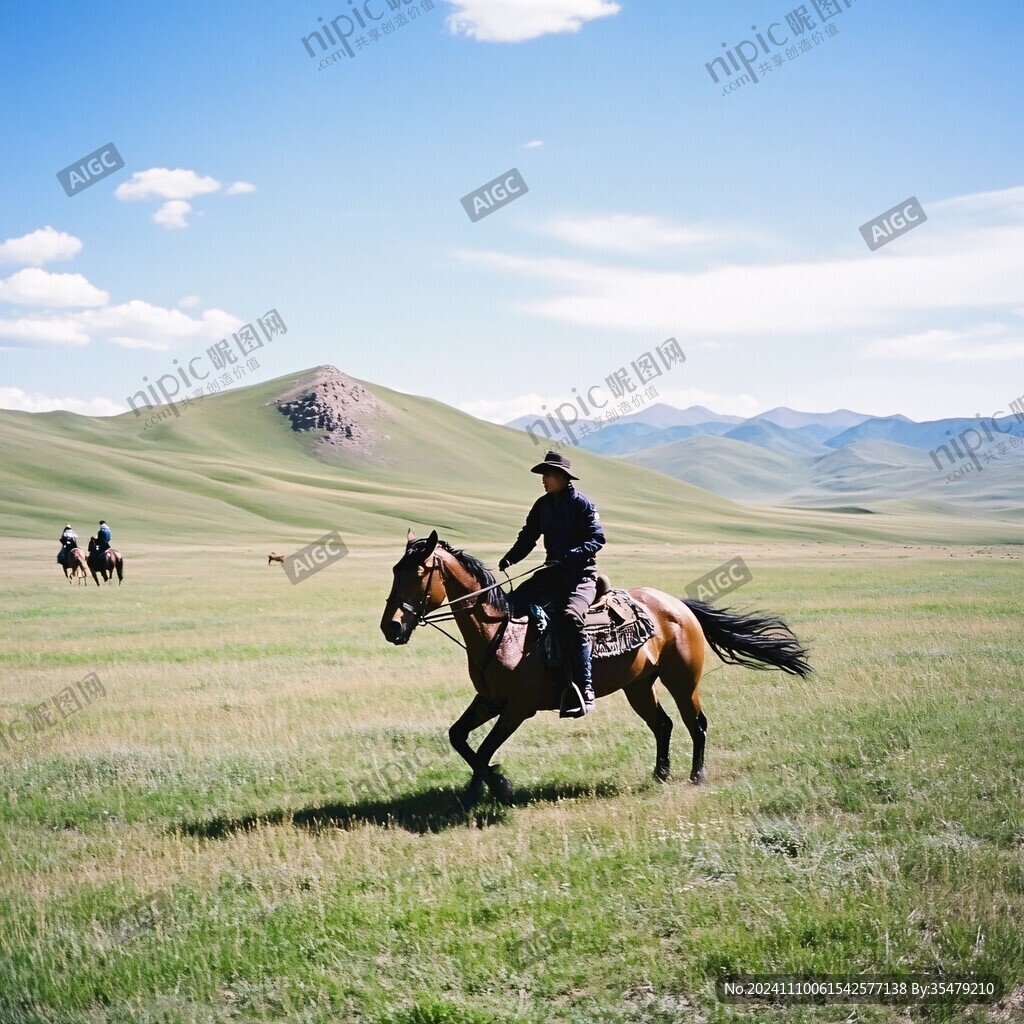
point(480, 711)
point(483, 772)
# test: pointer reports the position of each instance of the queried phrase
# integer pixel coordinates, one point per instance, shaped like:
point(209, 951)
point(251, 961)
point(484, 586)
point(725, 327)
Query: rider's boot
point(578, 696)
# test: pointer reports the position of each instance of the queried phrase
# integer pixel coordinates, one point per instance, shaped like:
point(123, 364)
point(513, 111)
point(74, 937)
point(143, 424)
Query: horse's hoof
point(698, 778)
point(473, 793)
point(661, 772)
point(500, 787)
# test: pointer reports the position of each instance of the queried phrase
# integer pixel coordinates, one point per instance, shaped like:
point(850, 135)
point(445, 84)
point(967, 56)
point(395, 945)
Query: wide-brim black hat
point(555, 460)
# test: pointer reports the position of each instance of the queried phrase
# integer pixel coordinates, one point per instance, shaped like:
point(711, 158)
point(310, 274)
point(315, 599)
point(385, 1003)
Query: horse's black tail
point(119, 565)
point(753, 640)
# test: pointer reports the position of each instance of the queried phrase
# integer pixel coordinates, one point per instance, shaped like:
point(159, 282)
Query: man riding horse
point(68, 540)
point(572, 534)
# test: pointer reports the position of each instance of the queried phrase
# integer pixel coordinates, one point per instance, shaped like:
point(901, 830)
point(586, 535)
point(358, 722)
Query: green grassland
point(257, 818)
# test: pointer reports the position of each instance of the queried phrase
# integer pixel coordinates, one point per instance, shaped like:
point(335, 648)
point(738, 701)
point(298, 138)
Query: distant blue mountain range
point(817, 458)
point(781, 430)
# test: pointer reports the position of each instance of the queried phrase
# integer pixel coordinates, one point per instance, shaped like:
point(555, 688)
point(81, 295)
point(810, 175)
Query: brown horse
point(513, 681)
point(74, 560)
point(106, 562)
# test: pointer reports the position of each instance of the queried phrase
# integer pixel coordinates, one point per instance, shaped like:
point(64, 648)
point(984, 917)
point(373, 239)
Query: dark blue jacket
point(103, 534)
point(571, 528)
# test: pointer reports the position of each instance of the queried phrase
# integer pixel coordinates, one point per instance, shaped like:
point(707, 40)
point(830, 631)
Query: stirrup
point(580, 708)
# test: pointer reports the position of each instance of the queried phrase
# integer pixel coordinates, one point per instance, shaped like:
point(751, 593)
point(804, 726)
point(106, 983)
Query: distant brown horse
point(106, 562)
point(74, 560)
point(513, 681)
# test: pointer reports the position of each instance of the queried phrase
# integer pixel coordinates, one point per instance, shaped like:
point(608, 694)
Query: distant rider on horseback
point(572, 537)
point(68, 540)
point(103, 537)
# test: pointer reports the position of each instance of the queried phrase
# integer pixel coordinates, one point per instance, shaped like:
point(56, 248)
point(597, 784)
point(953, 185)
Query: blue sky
point(255, 179)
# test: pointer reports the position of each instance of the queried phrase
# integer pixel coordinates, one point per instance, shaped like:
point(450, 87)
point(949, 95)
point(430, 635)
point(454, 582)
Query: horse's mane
point(496, 598)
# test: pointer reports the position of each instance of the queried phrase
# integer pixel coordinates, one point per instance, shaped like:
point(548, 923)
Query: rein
point(432, 618)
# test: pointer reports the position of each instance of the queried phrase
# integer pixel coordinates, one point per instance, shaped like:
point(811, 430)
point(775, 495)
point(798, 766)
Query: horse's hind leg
point(682, 681)
point(644, 701)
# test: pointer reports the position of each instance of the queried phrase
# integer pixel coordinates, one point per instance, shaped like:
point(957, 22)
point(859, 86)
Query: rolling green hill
point(231, 466)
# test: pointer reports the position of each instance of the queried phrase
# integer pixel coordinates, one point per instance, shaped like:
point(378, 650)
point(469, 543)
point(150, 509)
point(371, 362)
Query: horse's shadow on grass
point(429, 810)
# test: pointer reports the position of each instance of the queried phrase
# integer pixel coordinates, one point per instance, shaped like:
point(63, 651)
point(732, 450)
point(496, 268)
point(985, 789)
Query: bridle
point(431, 618)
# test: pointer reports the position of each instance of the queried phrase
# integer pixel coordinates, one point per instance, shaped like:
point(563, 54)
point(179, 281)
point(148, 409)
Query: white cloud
point(134, 324)
point(40, 247)
point(1001, 200)
point(625, 232)
point(172, 214)
point(15, 398)
point(965, 258)
point(161, 183)
point(33, 331)
point(984, 343)
point(513, 21)
point(533, 144)
point(504, 410)
point(40, 288)
point(87, 313)
point(176, 188)
point(139, 324)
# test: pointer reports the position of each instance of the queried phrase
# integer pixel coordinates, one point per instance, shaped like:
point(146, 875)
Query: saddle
point(615, 623)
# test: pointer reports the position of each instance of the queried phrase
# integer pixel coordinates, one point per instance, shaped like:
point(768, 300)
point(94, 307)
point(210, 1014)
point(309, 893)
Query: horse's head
point(417, 589)
point(93, 544)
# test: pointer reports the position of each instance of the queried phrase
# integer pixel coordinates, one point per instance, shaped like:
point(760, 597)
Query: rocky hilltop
point(337, 406)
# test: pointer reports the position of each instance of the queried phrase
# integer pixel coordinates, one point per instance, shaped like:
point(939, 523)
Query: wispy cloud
point(24, 401)
point(626, 232)
point(514, 21)
point(965, 260)
point(504, 410)
point(986, 343)
point(39, 247)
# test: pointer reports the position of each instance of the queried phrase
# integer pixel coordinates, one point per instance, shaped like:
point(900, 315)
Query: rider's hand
point(503, 565)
